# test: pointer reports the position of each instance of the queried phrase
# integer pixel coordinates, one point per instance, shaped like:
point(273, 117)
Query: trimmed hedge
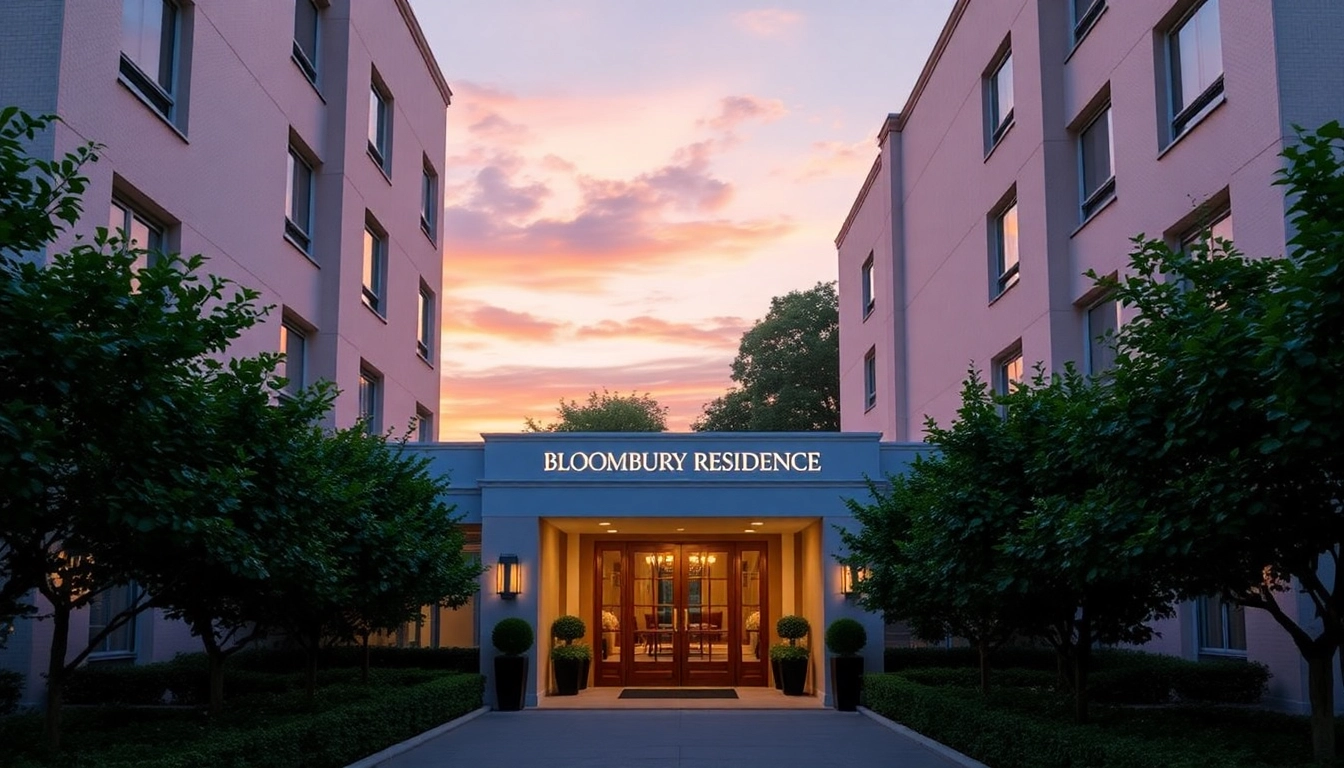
point(898, 659)
point(294, 660)
point(1007, 739)
point(11, 689)
point(965, 677)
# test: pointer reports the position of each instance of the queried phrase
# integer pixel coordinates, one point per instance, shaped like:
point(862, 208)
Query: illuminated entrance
point(681, 613)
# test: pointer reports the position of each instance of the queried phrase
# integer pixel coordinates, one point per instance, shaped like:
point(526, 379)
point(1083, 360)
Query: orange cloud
point(837, 158)
point(721, 332)
point(768, 22)
point(735, 110)
point(498, 322)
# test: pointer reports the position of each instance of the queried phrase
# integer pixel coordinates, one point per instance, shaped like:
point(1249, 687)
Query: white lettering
point(550, 462)
point(814, 461)
point(667, 461)
point(700, 462)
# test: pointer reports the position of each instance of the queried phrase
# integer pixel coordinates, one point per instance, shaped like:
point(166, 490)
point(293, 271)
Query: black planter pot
point(567, 673)
point(583, 675)
point(775, 673)
point(794, 672)
point(846, 681)
point(510, 683)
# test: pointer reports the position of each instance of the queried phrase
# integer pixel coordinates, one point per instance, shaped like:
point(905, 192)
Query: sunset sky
point(629, 183)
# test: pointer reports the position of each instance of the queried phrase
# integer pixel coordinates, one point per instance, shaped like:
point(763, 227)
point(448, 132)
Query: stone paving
point(683, 738)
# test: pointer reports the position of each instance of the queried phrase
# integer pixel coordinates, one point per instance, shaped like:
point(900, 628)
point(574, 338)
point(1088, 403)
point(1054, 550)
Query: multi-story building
point(298, 146)
point(1040, 137)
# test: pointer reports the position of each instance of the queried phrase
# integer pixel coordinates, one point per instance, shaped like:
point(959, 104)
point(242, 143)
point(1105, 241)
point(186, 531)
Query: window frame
point(290, 329)
point(867, 278)
point(1090, 335)
point(374, 266)
point(157, 233)
point(870, 379)
point(424, 327)
point(301, 237)
point(103, 650)
point(999, 122)
point(1005, 276)
point(1225, 612)
point(1082, 24)
point(380, 126)
point(163, 100)
point(1092, 202)
point(309, 65)
point(429, 201)
point(371, 398)
point(1003, 363)
point(424, 424)
point(1180, 120)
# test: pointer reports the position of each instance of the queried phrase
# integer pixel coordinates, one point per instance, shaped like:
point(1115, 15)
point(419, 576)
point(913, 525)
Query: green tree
point(607, 412)
point(787, 370)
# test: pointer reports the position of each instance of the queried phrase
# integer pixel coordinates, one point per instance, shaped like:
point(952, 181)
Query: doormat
point(678, 693)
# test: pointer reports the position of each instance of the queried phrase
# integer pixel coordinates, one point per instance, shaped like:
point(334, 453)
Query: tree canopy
point(607, 412)
point(787, 370)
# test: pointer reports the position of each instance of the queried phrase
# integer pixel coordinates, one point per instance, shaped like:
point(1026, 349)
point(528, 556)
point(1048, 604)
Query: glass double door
point(681, 614)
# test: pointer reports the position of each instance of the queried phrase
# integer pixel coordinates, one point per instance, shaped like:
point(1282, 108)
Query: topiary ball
point(512, 637)
point(568, 628)
point(792, 627)
point(846, 637)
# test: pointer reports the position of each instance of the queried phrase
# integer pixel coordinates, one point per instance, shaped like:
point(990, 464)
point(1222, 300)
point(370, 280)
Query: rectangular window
point(1100, 324)
point(370, 400)
point(870, 379)
point(1000, 86)
point(380, 128)
point(133, 230)
point(1085, 13)
point(1008, 372)
point(106, 606)
point(1005, 248)
point(305, 38)
point(294, 368)
point(429, 201)
point(424, 331)
point(1208, 236)
point(424, 425)
point(149, 46)
point(869, 300)
point(299, 200)
point(1222, 626)
point(1195, 59)
point(1096, 159)
point(375, 269)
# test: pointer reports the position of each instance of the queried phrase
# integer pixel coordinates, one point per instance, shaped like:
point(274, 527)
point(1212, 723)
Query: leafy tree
point(787, 370)
point(1232, 369)
point(607, 412)
point(37, 197)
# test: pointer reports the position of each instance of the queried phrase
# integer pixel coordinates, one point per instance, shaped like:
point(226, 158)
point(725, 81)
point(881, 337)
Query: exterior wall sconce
point(508, 577)
point(850, 577)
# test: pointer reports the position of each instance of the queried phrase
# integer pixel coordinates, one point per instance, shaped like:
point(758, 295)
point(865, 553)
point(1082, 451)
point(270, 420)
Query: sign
point(683, 461)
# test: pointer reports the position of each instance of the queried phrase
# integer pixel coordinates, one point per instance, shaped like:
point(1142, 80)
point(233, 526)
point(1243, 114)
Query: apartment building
point(1040, 137)
point(299, 147)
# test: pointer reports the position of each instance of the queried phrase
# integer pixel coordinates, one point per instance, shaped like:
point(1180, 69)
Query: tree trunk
point(60, 644)
point(1082, 653)
point(983, 647)
point(1321, 692)
point(364, 664)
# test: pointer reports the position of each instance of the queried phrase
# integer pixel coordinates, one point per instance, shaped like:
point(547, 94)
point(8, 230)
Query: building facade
point(299, 147)
point(1040, 137)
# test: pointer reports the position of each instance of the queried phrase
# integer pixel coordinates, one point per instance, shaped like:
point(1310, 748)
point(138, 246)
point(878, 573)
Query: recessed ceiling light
point(750, 530)
point(612, 530)
point(681, 529)
point(604, 523)
point(758, 523)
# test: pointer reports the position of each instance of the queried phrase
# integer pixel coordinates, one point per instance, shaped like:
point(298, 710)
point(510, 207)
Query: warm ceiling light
point(758, 523)
point(681, 529)
point(604, 523)
point(750, 530)
point(612, 530)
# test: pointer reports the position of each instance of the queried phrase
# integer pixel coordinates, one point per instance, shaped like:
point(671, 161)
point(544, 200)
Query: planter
point(794, 674)
point(846, 681)
point(567, 674)
point(583, 676)
point(510, 683)
point(776, 674)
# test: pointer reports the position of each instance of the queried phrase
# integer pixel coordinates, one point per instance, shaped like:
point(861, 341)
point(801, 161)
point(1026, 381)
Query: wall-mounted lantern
point(508, 577)
point(850, 577)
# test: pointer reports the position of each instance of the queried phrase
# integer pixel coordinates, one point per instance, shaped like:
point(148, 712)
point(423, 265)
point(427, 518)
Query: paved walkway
point(671, 738)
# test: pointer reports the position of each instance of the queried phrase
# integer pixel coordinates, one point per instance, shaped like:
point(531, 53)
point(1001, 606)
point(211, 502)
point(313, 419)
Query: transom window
point(870, 379)
point(1001, 98)
point(380, 127)
point(294, 368)
point(868, 273)
point(305, 37)
point(1195, 53)
point(375, 269)
point(1005, 248)
point(149, 46)
point(1096, 158)
point(299, 200)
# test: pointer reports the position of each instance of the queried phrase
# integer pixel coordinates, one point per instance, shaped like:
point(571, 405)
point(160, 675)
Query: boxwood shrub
point(11, 689)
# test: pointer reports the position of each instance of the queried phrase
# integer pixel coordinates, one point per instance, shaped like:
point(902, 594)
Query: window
point(370, 399)
point(1208, 236)
point(1000, 86)
point(380, 127)
point(1100, 324)
point(1008, 372)
point(133, 230)
point(294, 368)
point(149, 45)
point(870, 379)
point(1085, 13)
point(868, 275)
point(429, 200)
point(1096, 160)
point(1004, 237)
point(299, 200)
point(106, 607)
point(1195, 61)
point(305, 38)
point(424, 331)
point(424, 425)
point(1222, 626)
point(375, 269)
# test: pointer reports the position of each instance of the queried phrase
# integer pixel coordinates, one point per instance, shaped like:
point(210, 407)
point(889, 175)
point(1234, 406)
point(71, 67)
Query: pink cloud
point(719, 332)
point(498, 322)
point(495, 128)
point(735, 110)
point(768, 22)
point(837, 158)
point(496, 194)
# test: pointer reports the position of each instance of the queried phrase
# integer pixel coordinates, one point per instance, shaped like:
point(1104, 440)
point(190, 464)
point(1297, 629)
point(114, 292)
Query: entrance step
point(608, 697)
